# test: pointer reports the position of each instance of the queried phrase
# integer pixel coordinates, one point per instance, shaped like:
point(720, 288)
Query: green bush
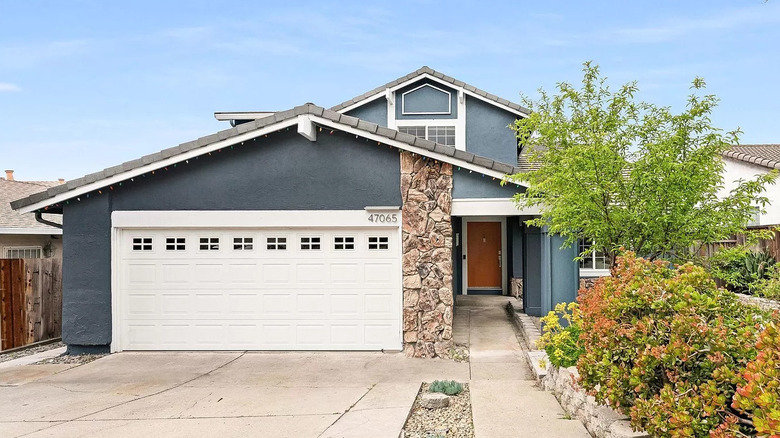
point(741, 268)
point(562, 342)
point(666, 346)
point(449, 387)
point(769, 287)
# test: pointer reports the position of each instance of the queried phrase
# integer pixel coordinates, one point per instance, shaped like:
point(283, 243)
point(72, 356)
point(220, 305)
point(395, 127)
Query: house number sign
point(383, 218)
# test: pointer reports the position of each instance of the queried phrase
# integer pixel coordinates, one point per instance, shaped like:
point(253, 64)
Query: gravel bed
point(453, 421)
point(77, 359)
point(28, 351)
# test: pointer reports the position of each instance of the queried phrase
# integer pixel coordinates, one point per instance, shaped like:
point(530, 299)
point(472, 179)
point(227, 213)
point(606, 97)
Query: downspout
point(39, 218)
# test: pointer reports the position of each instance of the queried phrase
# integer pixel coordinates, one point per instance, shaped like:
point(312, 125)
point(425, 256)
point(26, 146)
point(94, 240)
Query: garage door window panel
point(175, 244)
point(209, 243)
point(310, 243)
point(378, 243)
point(276, 243)
point(344, 243)
point(142, 243)
point(243, 243)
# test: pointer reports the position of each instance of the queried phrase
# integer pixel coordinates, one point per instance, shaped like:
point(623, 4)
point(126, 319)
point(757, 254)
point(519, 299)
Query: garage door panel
point(238, 294)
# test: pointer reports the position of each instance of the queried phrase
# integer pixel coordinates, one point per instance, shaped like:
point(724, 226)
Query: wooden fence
point(30, 301)
point(771, 246)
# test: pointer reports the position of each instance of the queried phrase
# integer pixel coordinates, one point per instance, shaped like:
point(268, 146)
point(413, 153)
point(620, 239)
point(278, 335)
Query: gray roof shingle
point(283, 116)
point(765, 155)
point(10, 190)
point(427, 70)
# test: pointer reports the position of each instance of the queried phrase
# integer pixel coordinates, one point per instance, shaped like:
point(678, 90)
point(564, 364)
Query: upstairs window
point(440, 134)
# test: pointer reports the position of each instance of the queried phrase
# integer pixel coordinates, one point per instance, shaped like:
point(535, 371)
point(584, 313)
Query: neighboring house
point(21, 236)
point(308, 229)
point(747, 161)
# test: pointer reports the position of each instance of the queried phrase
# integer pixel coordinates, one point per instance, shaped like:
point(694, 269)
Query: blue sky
point(89, 84)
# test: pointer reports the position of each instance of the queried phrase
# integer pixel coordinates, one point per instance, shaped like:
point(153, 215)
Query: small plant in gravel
point(562, 342)
point(448, 387)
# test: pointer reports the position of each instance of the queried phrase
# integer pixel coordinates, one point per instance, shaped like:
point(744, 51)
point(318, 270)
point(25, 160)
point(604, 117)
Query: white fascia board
point(306, 128)
point(78, 191)
point(281, 219)
point(491, 207)
point(44, 231)
point(594, 273)
point(433, 78)
point(252, 115)
point(407, 147)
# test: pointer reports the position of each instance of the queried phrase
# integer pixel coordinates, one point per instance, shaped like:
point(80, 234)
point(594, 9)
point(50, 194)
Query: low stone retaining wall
point(763, 303)
point(600, 421)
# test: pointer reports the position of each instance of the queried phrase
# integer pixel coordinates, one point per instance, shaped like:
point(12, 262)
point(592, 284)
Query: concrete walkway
point(505, 401)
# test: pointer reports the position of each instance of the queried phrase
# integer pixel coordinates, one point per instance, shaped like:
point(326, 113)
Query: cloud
point(7, 87)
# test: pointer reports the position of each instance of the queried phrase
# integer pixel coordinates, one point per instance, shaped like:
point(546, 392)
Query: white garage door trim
point(123, 222)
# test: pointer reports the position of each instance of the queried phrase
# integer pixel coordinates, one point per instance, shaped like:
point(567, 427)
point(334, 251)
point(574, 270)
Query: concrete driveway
point(219, 394)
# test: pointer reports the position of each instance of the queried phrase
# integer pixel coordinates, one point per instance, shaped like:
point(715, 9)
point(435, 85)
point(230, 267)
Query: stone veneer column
point(426, 190)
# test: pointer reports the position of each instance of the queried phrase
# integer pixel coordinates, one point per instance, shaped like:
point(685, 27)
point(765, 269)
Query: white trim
point(592, 273)
point(249, 135)
point(460, 127)
point(239, 115)
point(410, 148)
point(409, 113)
point(158, 165)
point(247, 219)
point(465, 266)
point(23, 248)
point(435, 79)
point(491, 207)
point(52, 230)
point(306, 128)
point(282, 219)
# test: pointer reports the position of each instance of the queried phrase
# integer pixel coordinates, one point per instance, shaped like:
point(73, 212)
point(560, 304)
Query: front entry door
point(484, 255)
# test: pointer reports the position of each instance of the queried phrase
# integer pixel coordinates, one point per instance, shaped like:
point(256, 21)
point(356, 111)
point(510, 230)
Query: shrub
point(449, 387)
point(770, 287)
point(562, 342)
point(665, 346)
point(741, 268)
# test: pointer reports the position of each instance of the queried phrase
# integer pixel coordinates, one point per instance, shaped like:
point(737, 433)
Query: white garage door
point(262, 288)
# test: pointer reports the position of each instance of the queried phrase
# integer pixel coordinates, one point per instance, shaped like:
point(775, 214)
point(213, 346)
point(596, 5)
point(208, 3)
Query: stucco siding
point(283, 172)
point(487, 131)
point(420, 101)
point(374, 112)
point(735, 170)
point(467, 185)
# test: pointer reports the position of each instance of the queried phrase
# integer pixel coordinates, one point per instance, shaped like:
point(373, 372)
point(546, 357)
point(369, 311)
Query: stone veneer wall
point(426, 190)
point(587, 282)
point(517, 288)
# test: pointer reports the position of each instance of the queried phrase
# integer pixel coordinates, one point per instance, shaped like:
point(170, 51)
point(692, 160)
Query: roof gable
point(308, 114)
point(426, 72)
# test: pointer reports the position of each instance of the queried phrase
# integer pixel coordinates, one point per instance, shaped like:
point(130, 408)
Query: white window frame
point(460, 132)
point(591, 272)
point(459, 123)
point(24, 249)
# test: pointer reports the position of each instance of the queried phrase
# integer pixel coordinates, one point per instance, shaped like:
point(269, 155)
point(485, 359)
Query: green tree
point(629, 174)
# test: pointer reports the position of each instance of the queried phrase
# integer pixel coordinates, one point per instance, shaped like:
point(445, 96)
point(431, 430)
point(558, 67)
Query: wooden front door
point(484, 255)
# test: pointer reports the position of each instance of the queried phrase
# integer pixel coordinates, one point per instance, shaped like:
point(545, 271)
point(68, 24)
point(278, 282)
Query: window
point(440, 134)
point(342, 243)
point(142, 243)
point(276, 243)
point(209, 243)
point(175, 244)
point(310, 243)
point(378, 243)
point(243, 243)
point(23, 252)
point(594, 259)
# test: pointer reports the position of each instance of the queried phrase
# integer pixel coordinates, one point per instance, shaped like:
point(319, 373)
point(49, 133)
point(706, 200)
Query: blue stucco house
point(349, 228)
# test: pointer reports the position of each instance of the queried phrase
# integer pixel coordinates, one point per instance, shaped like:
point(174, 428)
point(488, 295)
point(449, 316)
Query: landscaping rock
point(434, 400)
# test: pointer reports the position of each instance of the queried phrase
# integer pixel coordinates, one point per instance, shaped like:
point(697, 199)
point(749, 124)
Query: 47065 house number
point(383, 218)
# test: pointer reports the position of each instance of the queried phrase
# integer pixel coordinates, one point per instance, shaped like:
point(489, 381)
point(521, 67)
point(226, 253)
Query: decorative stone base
point(516, 289)
point(426, 191)
point(587, 282)
point(762, 303)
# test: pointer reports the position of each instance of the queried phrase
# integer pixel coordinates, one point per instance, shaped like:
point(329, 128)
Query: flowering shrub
point(562, 342)
point(665, 346)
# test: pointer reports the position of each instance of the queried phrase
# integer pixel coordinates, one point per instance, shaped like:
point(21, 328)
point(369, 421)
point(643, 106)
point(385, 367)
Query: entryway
point(484, 260)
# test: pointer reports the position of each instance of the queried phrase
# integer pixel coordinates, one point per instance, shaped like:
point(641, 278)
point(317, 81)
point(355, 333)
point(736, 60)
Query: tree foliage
point(630, 174)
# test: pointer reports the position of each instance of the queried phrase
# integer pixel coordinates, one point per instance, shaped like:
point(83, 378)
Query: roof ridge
point(448, 79)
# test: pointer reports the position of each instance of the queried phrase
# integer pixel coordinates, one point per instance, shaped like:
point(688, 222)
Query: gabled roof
point(13, 222)
point(764, 155)
point(427, 72)
point(254, 129)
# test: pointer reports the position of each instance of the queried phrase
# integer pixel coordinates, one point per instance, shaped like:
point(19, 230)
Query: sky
point(88, 84)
